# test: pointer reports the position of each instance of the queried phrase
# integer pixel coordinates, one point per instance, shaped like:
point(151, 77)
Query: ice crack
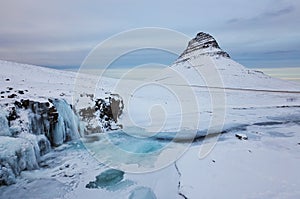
point(179, 183)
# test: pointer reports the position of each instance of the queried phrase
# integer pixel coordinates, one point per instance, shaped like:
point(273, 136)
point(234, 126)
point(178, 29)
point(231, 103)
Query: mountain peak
point(204, 40)
point(203, 44)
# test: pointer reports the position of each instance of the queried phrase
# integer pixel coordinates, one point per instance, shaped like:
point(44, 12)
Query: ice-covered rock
point(4, 128)
point(29, 129)
point(16, 155)
point(54, 118)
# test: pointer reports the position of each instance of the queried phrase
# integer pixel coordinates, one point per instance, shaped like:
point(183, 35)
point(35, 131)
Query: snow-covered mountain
point(203, 56)
point(44, 121)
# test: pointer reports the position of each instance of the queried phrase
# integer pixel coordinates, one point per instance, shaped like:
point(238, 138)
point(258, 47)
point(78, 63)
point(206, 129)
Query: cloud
point(280, 12)
point(263, 17)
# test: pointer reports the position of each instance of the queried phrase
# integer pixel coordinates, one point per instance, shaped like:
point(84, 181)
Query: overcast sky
point(257, 33)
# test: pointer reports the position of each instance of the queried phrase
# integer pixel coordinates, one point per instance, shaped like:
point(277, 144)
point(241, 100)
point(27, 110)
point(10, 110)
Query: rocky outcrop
point(103, 115)
point(202, 44)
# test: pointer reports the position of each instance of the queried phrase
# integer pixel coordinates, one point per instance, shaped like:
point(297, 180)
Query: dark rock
point(25, 103)
point(7, 79)
point(18, 104)
point(241, 136)
point(91, 185)
point(91, 96)
point(52, 114)
point(12, 96)
point(12, 115)
point(21, 92)
point(112, 110)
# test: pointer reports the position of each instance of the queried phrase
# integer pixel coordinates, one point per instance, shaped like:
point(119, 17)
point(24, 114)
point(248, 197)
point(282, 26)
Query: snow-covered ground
point(163, 150)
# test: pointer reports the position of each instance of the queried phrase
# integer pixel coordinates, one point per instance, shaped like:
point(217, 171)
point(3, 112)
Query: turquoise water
point(141, 145)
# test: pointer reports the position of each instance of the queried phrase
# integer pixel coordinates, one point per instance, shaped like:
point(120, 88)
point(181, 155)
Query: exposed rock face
point(103, 115)
point(202, 44)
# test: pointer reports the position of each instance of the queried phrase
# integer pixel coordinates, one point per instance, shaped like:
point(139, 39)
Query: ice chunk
point(106, 179)
point(142, 193)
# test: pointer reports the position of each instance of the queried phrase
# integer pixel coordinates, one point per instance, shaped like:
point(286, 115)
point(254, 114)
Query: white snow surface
point(264, 109)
